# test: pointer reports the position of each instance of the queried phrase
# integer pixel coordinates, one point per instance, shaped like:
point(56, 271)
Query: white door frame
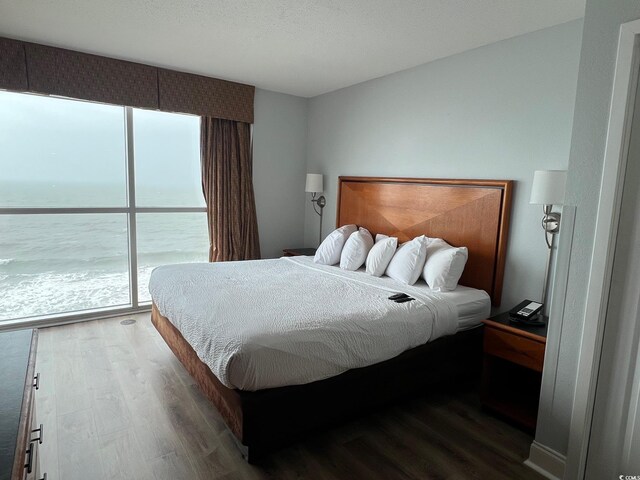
point(609, 205)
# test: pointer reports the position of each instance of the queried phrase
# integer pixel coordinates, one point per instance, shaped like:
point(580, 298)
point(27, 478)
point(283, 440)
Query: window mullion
point(131, 204)
point(59, 210)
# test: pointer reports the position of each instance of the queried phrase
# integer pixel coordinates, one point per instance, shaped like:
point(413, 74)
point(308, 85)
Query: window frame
point(131, 210)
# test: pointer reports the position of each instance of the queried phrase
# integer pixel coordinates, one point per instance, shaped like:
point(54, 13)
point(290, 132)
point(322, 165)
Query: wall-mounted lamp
point(548, 190)
point(314, 186)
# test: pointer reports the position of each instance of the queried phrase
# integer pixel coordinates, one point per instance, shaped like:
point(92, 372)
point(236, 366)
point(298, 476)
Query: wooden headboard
point(470, 213)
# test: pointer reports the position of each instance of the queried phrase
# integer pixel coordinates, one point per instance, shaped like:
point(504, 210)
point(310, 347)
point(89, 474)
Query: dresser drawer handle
point(44, 477)
point(29, 464)
point(36, 381)
point(40, 436)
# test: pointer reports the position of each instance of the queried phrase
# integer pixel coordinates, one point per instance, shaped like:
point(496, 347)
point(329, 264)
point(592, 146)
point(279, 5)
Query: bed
point(298, 366)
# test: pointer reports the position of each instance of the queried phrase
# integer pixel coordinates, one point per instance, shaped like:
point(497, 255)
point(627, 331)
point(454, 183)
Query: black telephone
point(526, 312)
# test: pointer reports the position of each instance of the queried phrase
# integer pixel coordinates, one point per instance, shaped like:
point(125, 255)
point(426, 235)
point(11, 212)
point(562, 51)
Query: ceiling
point(300, 47)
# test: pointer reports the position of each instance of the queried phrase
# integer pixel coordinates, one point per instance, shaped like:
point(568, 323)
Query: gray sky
point(60, 141)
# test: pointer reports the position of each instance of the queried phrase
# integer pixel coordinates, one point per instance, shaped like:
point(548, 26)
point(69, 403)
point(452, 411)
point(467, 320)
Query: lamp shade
point(314, 183)
point(548, 187)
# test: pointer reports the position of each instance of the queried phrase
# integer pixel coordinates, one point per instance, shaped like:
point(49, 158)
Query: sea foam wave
point(43, 294)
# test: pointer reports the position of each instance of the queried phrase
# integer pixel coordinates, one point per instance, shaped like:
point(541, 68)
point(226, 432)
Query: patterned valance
point(13, 66)
point(183, 92)
point(55, 71)
point(29, 67)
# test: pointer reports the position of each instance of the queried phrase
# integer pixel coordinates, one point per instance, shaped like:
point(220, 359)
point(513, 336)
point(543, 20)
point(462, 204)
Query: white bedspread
point(269, 323)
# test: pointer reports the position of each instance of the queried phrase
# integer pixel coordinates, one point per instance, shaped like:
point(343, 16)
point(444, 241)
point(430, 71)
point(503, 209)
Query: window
point(61, 153)
point(92, 198)
point(167, 159)
point(169, 238)
point(167, 165)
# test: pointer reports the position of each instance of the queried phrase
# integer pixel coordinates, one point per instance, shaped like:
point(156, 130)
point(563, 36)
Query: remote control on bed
point(405, 299)
point(398, 296)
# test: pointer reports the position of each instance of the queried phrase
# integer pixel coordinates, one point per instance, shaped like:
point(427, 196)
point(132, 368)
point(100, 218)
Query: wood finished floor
point(116, 404)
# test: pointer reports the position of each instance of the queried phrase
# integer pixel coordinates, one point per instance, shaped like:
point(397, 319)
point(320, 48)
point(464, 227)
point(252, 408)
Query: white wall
point(601, 28)
point(616, 420)
point(279, 150)
point(500, 111)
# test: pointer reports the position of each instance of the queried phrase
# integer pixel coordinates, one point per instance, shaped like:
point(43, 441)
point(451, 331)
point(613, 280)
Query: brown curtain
point(227, 183)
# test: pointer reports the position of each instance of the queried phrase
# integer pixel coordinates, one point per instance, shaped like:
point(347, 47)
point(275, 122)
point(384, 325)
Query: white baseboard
point(546, 461)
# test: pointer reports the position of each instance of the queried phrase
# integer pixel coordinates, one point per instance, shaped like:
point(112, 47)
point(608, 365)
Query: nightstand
point(512, 369)
point(295, 252)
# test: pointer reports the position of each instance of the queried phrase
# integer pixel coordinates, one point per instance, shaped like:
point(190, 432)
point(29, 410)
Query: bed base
point(265, 420)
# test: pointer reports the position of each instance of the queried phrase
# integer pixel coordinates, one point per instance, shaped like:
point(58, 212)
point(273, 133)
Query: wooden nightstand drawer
point(520, 350)
point(512, 368)
point(294, 252)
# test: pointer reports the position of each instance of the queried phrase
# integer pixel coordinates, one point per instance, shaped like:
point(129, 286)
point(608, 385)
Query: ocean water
point(65, 263)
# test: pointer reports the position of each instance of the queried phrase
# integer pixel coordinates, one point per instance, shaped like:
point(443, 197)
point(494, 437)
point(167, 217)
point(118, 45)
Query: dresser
point(20, 434)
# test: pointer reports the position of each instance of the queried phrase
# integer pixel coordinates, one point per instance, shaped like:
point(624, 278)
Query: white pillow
point(380, 236)
point(356, 249)
point(408, 262)
point(444, 265)
point(329, 251)
point(380, 255)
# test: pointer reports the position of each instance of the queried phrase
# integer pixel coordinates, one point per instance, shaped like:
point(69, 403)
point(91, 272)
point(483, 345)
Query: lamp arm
point(551, 226)
point(545, 284)
point(319, 202)
point(320, 229)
